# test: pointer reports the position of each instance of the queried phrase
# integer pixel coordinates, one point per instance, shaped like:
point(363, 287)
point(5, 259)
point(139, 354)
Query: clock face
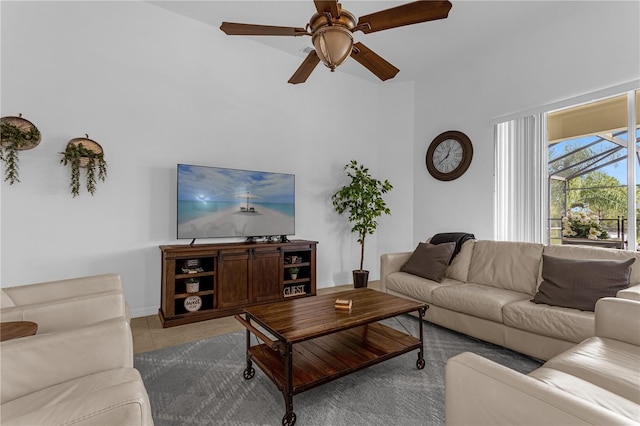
point(449, 155)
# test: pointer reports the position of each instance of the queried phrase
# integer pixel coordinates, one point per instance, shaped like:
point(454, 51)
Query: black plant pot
point(360, 278)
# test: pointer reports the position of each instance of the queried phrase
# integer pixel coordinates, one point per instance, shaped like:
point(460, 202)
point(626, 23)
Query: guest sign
point(192, 303)
point(294, 290)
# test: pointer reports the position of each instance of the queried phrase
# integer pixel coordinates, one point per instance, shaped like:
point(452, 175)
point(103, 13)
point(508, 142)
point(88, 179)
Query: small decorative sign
point(294, 290)
point(193, 303)
point(192, 263)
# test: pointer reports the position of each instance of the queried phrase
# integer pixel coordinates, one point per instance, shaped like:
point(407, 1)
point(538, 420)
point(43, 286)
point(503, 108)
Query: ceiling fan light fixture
point(333, 45)
point(331, 29)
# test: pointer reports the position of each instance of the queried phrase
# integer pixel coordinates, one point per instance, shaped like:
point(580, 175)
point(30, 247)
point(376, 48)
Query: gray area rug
point(201, 383)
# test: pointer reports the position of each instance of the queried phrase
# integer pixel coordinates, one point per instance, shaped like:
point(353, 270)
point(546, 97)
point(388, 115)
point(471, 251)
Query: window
point(574, 158)
point(589, 168)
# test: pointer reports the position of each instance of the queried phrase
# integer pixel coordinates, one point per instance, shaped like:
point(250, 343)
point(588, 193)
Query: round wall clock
point(449, 155)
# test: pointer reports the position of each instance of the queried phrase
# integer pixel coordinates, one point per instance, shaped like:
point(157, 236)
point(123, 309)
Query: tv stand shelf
point(231, 276)
point(197, 293)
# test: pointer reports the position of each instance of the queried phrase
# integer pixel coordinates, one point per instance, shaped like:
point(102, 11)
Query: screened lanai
point(588, 166)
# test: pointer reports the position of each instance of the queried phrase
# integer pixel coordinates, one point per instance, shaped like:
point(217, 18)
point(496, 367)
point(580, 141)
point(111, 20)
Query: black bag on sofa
point(457, 237)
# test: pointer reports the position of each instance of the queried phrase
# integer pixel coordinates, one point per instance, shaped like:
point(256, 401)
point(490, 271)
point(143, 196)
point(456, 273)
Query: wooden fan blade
point(406, 14)
point(330, 6)
point(305, 69)
point(373, 62)
point(233, 28)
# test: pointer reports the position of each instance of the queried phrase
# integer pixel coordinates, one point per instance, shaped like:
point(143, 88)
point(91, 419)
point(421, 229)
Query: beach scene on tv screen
point(219, 202)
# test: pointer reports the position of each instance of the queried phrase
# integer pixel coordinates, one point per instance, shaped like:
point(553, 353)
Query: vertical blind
point(521, 184)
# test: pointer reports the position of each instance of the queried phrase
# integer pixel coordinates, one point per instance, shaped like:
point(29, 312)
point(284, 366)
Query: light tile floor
point(148, 334)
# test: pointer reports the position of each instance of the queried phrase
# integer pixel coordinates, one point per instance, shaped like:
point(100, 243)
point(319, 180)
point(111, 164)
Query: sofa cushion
point(109, 397)
point(552, 321)
point(67, 314)
point(474, 299)
point(459, 267)
point(5, 300)
point(630, 293)
point(578, 284)
point(506, 264)
point(430, 260)
point(414, 286)
point(580, 252)
point(607, 363)
point(613, 311)
point(588, 391)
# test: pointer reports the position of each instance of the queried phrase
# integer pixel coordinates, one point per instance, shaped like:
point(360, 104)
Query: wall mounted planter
point(16, 134)
point(88, 154)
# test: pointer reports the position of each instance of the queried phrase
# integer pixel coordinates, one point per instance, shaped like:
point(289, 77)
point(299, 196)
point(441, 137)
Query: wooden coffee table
point(312, 343)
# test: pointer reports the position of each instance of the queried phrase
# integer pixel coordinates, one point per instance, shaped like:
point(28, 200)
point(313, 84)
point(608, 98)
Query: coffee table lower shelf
point(326, 358)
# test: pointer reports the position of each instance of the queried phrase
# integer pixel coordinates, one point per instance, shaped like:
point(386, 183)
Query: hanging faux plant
point(16, 134)
point(84, 153)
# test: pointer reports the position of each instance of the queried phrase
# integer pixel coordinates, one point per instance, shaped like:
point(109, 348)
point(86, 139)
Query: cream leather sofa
point(486, 293)
point(65, 304)
point(83, 376)
point(596, 382)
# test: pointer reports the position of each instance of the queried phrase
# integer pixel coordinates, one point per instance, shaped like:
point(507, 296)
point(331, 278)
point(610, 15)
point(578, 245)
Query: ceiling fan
point(331, 31)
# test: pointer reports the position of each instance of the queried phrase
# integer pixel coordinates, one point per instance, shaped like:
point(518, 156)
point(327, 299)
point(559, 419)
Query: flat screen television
point(214, 202)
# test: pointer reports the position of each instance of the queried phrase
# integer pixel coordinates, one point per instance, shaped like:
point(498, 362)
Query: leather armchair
point(81, 376)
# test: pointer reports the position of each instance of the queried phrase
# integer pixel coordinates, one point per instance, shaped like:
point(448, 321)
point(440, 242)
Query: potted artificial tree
point(85, 153)
point(362, 199)
point(16, 134)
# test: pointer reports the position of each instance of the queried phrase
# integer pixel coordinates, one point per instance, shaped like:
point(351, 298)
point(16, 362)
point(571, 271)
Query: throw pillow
point(578, 284)
point(429, 260)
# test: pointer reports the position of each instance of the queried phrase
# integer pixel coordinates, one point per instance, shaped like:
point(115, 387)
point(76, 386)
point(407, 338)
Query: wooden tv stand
point(232, 276)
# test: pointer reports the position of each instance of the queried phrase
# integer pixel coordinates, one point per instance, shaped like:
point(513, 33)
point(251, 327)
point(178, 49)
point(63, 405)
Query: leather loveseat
point(487, 289)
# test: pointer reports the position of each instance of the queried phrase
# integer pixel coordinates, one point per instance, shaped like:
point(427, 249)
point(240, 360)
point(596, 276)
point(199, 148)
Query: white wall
point(574, 49)
point(156, 89)
point(395, 163)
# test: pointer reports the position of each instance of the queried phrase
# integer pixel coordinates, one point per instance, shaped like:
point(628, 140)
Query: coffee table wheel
point(420, 363)
point(249, 372)
point(289, 419)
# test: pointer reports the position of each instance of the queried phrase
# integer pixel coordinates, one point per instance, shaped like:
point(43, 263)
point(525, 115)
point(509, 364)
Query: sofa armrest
point(62, 289)
point(32, 363)
point(73, 312)
point(631, 293)
point(618, 319)
point(481, 392)
point(391, 262)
